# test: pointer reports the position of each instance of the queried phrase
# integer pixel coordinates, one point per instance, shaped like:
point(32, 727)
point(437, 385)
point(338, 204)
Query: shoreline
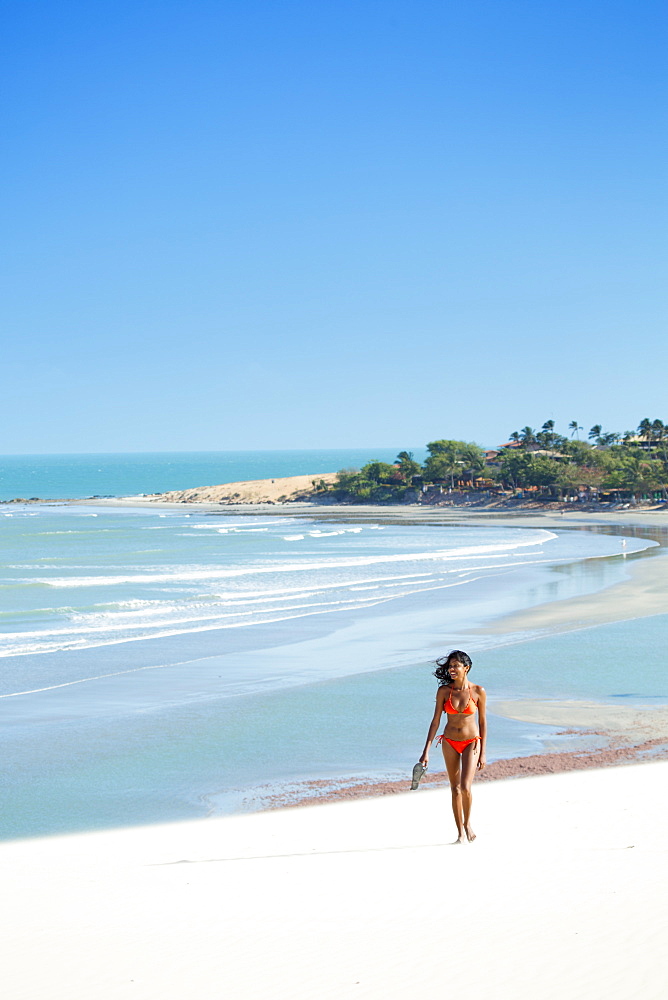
point(522, 515)
point(619, 754)
point(297, 496)
point(642, 595)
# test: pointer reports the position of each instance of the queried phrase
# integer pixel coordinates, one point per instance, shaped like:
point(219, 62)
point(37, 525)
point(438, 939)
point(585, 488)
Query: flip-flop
point(418, 774)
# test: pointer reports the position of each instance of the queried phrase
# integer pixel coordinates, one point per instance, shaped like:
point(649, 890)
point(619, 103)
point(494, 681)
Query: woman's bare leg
point(469, 764)
point(453, 767)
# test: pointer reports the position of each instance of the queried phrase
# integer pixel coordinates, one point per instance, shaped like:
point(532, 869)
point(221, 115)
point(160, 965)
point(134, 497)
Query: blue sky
point(335, 223)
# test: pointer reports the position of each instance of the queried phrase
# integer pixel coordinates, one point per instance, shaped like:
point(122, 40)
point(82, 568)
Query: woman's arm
point(482, 725)
point(436, 718)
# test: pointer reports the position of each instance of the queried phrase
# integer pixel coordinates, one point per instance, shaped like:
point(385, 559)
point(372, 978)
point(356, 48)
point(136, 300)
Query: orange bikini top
point(471, 706)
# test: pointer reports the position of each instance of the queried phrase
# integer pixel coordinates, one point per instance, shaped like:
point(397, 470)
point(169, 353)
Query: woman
point(462, 740)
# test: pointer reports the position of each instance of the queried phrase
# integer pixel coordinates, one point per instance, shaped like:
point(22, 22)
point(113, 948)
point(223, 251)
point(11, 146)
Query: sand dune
point(253, 491)
point(562, 894)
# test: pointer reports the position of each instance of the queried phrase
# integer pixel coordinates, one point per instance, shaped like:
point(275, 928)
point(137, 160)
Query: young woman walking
point(463, 739)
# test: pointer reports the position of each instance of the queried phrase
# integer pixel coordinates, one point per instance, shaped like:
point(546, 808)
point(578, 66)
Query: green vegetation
point(608, 465)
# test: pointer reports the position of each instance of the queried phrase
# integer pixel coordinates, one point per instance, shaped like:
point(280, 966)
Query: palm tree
point(658, 431)
point(547, 435)
point(528, 437)
point(473, 460)
point(408, 466)
point(574, 427)
point(641, 475)
point(645, 430)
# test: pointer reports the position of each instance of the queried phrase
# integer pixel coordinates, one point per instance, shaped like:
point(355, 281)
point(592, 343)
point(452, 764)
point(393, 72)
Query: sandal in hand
point(418, 773)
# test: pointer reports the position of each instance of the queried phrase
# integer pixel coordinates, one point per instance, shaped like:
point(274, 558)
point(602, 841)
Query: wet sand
point(615, 754)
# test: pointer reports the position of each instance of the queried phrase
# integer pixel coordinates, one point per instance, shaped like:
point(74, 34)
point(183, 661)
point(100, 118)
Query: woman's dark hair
point(442, 671)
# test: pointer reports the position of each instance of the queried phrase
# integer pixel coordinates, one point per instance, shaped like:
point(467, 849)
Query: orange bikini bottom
point(458, 745)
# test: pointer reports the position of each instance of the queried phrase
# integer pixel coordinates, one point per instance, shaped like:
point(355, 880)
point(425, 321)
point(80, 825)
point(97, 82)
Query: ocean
point(57, 477)
point(161, 665)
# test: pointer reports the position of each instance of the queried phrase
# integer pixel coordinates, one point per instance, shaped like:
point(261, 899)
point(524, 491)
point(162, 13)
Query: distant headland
point(538, 467)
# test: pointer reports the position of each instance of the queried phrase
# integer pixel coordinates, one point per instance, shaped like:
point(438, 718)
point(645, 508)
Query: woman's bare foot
point(470, 835)
point(461, 839)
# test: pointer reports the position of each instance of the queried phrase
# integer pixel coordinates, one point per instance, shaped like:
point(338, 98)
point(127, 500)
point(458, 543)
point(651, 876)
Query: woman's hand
point(482, 761)
point(424, 760)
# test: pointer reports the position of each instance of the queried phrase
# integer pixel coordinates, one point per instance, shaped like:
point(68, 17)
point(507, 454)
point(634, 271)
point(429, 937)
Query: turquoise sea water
point(164, 665)
point(50, 477)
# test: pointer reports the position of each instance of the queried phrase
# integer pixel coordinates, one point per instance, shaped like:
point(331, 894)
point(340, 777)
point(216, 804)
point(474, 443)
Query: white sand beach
point(561, 894)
